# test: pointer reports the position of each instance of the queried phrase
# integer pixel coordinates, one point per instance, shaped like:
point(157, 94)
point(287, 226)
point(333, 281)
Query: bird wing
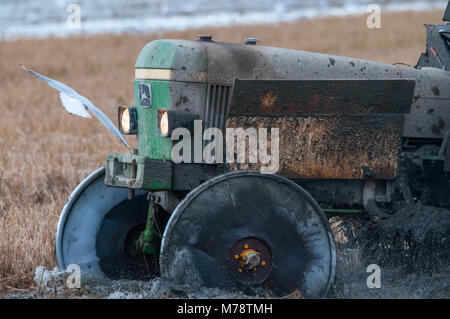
point(77, 104)
point(73, 106)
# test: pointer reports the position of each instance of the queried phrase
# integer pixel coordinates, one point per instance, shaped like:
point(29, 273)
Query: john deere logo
point(145, 95)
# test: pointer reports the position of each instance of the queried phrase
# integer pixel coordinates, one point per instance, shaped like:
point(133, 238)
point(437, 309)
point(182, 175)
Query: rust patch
point(332, 147)
point(268, 101)
point(297, 98)
point(313, 103)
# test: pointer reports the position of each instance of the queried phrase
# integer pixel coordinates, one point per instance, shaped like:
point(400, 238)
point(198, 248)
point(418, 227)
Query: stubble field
point(45, 152)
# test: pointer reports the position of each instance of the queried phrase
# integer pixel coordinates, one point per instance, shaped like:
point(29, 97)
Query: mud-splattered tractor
point(353, 137)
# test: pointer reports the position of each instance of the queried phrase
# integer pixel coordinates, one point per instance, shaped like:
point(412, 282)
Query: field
point(45, 152)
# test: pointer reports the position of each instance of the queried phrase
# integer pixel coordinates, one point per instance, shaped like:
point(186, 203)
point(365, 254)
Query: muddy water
point(412, 250)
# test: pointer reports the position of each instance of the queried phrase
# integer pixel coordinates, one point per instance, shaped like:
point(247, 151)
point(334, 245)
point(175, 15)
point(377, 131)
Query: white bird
point(77, 104)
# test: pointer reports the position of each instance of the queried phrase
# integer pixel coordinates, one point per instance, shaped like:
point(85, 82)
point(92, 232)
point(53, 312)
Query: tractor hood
point(177, 60)
point(219, 62)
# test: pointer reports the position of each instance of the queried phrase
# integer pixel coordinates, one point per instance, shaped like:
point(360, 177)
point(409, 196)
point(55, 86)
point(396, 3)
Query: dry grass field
point(45, 152)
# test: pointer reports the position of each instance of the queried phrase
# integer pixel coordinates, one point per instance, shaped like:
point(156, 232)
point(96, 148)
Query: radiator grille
point(218, 98)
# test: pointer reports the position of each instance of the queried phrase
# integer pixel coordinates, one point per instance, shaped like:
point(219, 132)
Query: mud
point(156, 288)
point(412, 249)
point(312, 147)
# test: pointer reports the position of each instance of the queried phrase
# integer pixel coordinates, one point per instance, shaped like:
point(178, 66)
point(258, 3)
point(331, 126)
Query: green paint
point(150, 142)
point(170, 55)
point(159, 54)
point(173, 55)
point(148, 234)
point(154, 185)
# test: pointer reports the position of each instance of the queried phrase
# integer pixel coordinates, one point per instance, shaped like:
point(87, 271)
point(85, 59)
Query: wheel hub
point(250, 261)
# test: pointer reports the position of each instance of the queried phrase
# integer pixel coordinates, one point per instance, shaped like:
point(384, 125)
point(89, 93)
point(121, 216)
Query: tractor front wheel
point(98, 230)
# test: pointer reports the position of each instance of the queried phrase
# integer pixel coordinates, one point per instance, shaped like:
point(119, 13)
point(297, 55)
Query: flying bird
point(77, 104)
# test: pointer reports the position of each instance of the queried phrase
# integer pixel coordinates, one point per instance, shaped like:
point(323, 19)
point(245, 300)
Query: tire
point(94, 226)
point(273, 215)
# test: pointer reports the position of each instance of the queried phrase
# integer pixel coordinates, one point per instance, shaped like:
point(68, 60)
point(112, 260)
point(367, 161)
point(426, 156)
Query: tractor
point(354, 137)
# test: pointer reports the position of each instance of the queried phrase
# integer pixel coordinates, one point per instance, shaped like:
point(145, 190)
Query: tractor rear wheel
point(246, 229)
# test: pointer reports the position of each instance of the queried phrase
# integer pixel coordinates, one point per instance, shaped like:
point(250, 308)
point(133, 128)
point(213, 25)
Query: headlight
point(127, 120)
point(164, 124)
point(168, 120)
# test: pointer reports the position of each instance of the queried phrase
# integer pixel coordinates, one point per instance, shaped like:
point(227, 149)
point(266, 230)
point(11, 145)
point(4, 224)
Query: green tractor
point(353, 134)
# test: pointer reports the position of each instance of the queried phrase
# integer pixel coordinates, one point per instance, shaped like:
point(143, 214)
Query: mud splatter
point(412, 249)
